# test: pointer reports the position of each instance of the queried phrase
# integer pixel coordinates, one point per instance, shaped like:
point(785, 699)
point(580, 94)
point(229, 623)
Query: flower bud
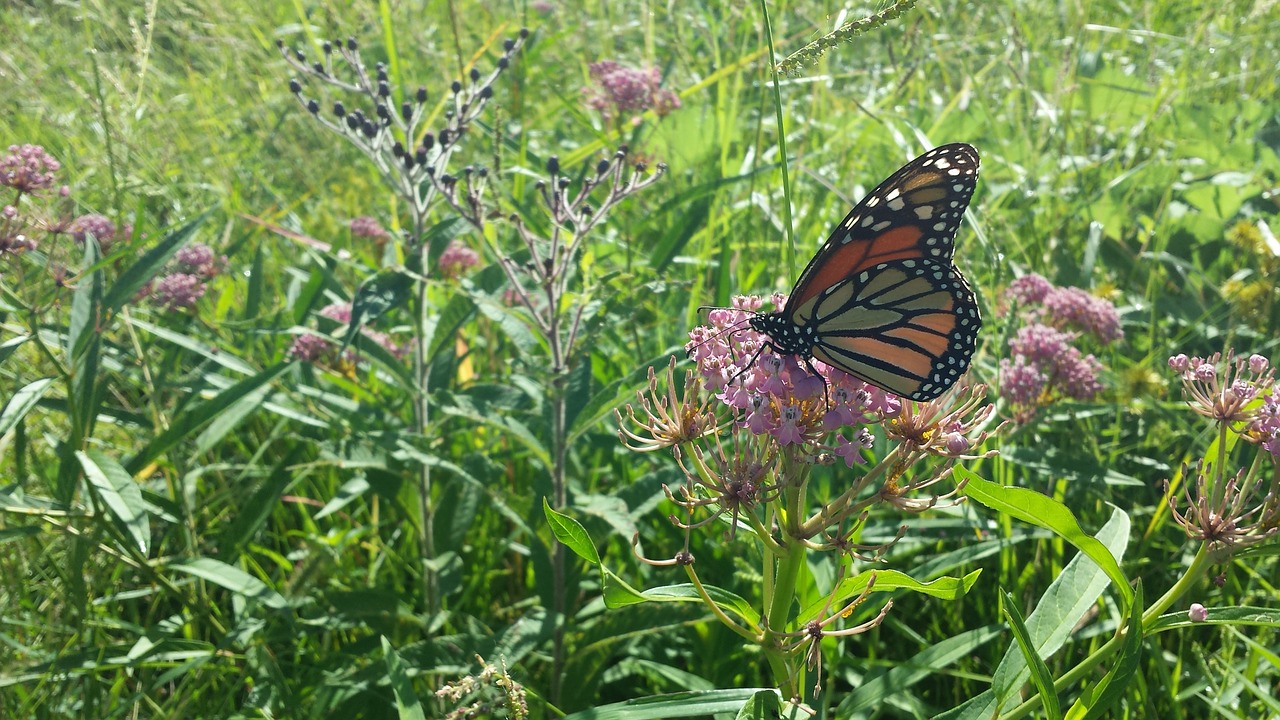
point(351, 44)
point(456, 87)
point(553, 165)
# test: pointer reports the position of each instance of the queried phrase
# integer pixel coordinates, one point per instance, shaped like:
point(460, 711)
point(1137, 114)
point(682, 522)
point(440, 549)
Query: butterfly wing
point(908, 326)
point(914, 214)
point(884, 302)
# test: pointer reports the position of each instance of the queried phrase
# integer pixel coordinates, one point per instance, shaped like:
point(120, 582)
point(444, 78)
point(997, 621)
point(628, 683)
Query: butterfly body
point(881, 300)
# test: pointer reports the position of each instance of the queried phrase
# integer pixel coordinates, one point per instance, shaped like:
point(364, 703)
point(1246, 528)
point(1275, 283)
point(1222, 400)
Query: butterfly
point(881, 300)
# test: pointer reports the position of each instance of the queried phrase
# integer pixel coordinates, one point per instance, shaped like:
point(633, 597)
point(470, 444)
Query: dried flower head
point(1217, 516)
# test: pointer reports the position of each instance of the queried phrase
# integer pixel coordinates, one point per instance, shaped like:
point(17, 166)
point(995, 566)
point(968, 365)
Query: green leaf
point(1241, 615)
point(385, 291)
point(1042, 511)
point(22, 402)
point(699, 704)
point(1069, 597)
point(945, 588)
point(231, 578)
point(874, 690)
point(200, 414)
point(617, 594)
point(443, 327)
point(85, 306)
point(120, 494)
point(212, 354)
point(1115, 684)
point(151, 263)
point(1040, 675)
point(764, 705)
point(571, 534)
point(350, 490)
point(407, 703)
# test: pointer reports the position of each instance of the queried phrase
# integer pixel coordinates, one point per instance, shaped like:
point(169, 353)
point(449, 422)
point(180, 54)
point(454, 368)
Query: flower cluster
point(367, 227)
point(457, 259)
point(320, 350)
point(1239, 393)
point(778, 396)
point(1044, 363)
point(490, 691)
point(29, 169)
point(101, 227)
point(1228, 513)
point(185, 279)
point(620, 91)
point(31, 172)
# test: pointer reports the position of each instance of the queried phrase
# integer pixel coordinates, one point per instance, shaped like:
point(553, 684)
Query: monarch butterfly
point(881, 300)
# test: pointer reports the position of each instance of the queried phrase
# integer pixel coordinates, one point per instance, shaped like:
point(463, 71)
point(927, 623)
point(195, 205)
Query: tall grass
point(280, 572)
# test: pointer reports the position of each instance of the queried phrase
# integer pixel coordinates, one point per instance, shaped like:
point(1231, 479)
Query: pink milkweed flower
point(28, 169)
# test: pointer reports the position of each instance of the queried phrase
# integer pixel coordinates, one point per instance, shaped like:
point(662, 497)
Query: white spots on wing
point(924, 212)
point(939, 226)
point(880, 226)
point(896, 204)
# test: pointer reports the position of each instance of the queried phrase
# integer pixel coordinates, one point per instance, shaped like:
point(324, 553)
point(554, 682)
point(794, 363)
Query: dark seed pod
point(295, 87)
point(640, 167)
point(351, 44)
point(327, 47)
point(353, 122)
point(553, 165)
point(524, 33)
point(384, 90)
point(318, 68)
point(503, 62)
point(602, 167)
point(486, 92)
point(421, 155)
point(397, 149)
point(428, 141)
point(339, 109)
point(475, 75)
point(313, 107)
point(422, 95)
point(456, 87)
point(406, 111)
point(508, 44)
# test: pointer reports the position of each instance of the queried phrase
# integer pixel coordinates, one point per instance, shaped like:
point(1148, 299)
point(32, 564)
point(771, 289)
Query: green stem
point(1194, 574)
point(787, 224)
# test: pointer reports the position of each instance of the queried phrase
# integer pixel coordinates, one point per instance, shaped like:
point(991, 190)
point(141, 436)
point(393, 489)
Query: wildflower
point(1029, 288)
point(1197, 613)
point(340, 312)
point(311, 348)
point(947, 426)
point(669, 420)
point(542, 7)
point(178, 291)
point(456, 259)
point(1227, 396)
point(28, 169)
point(100, 227)
point(1216, 513)
point(778, 395)
point(198, 259)
point(621, 90)
point(367, 227)
point(1045, 362)
point(1074, 308)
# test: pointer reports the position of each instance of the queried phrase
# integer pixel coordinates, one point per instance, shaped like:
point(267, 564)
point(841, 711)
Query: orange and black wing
point(912, 215)
point(881, 299)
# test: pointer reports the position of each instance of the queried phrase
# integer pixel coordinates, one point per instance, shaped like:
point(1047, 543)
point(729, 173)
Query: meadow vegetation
point(312, 409)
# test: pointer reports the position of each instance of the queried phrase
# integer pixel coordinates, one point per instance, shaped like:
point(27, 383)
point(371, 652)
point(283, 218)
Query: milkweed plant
point(747, 431)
